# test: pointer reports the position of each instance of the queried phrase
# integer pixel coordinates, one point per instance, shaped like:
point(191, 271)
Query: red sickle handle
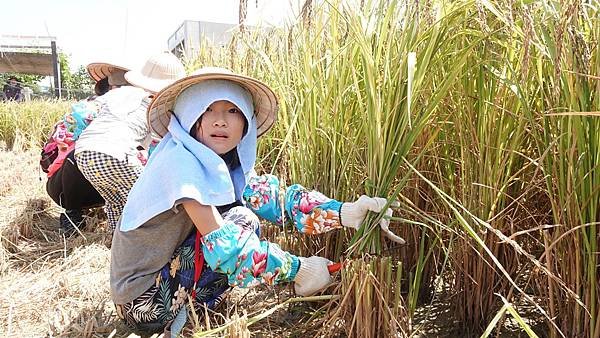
point(335, 267)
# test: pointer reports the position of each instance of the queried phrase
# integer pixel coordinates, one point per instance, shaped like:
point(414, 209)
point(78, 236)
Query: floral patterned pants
point(158, 306)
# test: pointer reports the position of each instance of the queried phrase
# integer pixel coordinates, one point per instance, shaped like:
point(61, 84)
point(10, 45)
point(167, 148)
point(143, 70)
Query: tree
point(26, 80)
point(77, 85)
point(81, 80)
point(74, 85)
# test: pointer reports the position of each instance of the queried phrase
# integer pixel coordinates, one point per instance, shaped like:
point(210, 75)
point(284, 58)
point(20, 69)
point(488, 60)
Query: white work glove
point(312, 276)
point(353, 214)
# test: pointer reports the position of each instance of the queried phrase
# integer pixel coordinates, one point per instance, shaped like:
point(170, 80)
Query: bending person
point(66, 185)
point(107, 152)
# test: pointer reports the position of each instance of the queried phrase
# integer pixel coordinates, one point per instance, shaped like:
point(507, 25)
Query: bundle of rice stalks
point(262, 312)
point(371, 304)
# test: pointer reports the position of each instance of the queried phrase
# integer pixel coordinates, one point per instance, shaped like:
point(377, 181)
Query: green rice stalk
point(507, 307)
point(568, 142)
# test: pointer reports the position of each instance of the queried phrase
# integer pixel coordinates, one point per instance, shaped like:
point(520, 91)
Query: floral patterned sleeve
point(309, 210)
point(67, 131)
point(73, 123)
point(247, 261)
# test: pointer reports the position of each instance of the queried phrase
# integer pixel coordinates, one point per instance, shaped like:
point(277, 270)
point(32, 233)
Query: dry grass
point(56, 287)
point(52, 286)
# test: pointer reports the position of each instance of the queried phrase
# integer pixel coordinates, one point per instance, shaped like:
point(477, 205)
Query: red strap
point(198, 262)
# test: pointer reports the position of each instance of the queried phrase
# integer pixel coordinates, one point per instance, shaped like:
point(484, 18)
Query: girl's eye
point(235, 111)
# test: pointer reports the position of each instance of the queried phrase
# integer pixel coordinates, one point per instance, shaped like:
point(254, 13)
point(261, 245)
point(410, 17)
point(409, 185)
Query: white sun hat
point(264, 99)
point(158, 72)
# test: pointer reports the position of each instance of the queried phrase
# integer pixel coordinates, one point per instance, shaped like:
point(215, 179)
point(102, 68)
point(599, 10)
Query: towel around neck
point(183, 168)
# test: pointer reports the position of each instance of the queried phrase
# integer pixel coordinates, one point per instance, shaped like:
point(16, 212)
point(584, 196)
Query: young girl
point(184, 231)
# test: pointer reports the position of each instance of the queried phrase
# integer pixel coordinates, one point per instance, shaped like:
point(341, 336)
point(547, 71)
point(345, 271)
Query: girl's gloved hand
point(353, 214)
point(313, 275)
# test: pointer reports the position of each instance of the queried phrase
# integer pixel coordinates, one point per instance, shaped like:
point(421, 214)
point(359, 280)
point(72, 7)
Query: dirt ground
point(51, 286)
point(56, 287)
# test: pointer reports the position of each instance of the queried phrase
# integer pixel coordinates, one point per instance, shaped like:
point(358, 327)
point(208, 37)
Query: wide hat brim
point(100, 70)
point(140, 80)
point(265, 100)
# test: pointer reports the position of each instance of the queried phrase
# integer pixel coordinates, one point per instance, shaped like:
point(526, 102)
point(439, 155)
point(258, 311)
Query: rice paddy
point(478, 120)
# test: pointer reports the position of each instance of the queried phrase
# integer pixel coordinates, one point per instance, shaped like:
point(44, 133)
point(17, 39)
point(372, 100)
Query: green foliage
point(75, 85)
point(26, 80)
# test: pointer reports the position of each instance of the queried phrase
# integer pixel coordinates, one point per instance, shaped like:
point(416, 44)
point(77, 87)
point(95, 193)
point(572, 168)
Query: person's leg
point(70, 221)
point(144, 314)
point(69, 189)
point(93, 166)
point(58, 190)
point(54, 187)
point(123, 176)
point(111, 178)
point(78, 192)
point(160, 304)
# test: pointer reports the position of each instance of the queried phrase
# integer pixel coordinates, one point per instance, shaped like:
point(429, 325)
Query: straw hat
point(265, 101)
point(159, 71)
point(100, 70)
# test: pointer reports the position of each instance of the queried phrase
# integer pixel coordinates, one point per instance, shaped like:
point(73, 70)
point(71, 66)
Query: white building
point(187, 39)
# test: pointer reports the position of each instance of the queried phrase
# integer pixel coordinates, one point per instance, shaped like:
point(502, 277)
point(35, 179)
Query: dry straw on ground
point(56, 287)
point(49, 285)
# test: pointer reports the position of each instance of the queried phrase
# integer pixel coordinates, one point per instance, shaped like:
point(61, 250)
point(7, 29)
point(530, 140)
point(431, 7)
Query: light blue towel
point(181, 167)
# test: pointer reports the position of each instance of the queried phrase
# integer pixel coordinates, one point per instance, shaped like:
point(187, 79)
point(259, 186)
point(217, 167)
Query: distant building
point(30, 55)
point(187, 39)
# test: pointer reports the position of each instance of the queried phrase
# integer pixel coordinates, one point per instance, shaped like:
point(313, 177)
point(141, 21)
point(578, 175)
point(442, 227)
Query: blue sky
point(125, 31)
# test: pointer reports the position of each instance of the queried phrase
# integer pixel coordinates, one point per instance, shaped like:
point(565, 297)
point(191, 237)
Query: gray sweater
point(133, 271)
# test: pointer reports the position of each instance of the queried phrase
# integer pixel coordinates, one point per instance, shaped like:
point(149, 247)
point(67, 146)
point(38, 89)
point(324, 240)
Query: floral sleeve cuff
point(309, 210)
point(245, 259)
point(312, 212)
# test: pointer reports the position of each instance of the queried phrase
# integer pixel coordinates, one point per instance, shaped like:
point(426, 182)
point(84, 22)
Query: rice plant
point(485, 164)
point(26, 125)
point(568, 142)
point(480, 118)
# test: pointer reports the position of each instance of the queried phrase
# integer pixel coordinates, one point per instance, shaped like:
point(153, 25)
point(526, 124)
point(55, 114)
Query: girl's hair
point(102, 87)
point(231, 158)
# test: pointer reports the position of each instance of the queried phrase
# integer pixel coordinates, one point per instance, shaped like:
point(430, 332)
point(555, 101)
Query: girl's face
point(221, 127)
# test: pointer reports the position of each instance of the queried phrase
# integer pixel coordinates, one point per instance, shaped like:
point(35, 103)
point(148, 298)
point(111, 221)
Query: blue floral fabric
point(310, 211)
point(245, 259)
point(234, 255)
point(159, 305)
